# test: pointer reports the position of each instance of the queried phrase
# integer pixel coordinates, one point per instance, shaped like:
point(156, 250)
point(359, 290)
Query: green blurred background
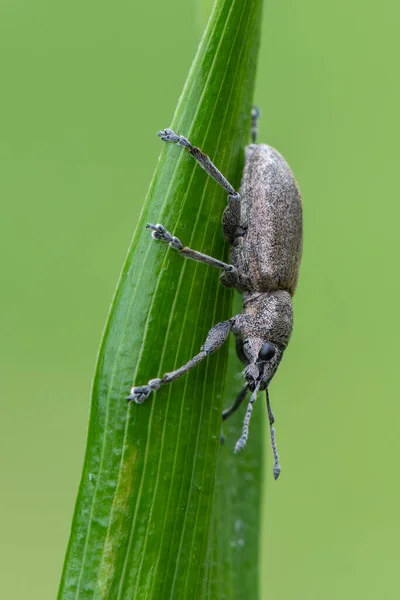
point(84, 88)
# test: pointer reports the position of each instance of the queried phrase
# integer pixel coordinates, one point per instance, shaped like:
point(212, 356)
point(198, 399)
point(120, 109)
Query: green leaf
point(233, 559)
point(141, 527)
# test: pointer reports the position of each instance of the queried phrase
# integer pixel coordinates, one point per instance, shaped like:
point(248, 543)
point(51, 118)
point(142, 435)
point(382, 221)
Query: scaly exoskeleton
point(263, 223)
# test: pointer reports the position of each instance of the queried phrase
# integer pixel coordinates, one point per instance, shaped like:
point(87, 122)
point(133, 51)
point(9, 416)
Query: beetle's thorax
point(268, 316)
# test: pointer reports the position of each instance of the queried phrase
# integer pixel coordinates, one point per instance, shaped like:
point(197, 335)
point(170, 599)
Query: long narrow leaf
point(142, 518)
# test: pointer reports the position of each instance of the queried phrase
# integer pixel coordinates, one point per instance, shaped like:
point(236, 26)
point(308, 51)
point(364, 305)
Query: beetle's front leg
point(215, 338)
point(160, 233)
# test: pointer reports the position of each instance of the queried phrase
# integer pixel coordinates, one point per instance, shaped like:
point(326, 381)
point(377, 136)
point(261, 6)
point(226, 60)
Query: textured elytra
point(268, 247)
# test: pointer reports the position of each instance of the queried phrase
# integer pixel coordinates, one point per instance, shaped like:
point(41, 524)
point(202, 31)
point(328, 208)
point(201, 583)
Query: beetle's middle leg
point(215, 338)
point(230, 272)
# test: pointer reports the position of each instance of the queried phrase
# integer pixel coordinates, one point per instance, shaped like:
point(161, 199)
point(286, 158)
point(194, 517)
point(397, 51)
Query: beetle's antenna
point(240, 444)
point(277, 466)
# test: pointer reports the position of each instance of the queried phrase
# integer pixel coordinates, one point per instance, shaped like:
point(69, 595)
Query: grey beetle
point(263, 223)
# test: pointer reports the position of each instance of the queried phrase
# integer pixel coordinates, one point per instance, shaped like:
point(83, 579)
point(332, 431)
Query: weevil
point(263, 224)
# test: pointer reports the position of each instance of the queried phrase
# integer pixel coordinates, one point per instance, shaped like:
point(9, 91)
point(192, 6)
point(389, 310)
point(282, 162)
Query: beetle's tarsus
point(167, 135)
point(141, 393)
point(160, 233)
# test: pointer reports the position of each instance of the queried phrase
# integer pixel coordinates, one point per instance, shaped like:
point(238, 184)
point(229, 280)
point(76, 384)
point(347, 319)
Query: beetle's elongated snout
point(263, 360)
point(268, 368)
point(252, 375)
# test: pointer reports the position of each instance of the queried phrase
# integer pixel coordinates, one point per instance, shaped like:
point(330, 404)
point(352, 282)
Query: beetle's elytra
point(263, 224)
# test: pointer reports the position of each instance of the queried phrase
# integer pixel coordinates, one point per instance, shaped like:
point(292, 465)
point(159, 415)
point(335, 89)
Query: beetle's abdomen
point(268, 247)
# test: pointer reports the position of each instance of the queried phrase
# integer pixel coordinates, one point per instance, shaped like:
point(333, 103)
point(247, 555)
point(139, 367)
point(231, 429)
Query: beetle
point(263, 224)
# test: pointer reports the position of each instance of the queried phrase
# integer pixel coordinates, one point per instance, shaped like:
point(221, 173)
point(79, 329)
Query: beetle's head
point(263, 361)
point(264, 327)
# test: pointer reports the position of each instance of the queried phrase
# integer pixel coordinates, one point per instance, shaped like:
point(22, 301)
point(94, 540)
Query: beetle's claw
point(139, 394)
point(167, 135)
point(159, 232)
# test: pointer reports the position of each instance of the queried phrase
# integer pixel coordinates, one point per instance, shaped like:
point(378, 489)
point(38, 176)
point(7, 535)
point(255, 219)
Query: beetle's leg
point(238, 401)
point(231, 219)
point(255, 115)
point(160, 233)
point(215, 338)
point(167, 135)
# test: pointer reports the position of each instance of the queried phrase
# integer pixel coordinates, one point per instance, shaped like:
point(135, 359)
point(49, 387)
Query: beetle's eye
point(267, 351)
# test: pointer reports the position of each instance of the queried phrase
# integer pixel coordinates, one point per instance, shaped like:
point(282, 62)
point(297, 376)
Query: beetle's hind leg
point(160, 233)
point(167, 135)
